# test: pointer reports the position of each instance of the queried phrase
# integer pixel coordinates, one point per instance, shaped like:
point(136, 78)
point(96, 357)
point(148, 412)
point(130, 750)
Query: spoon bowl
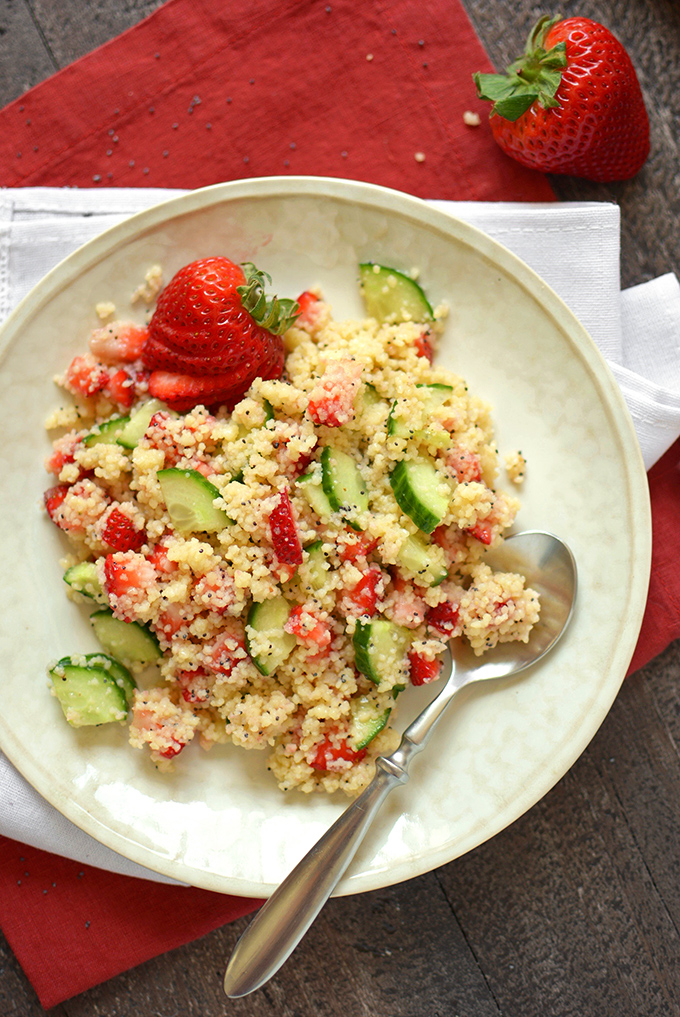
point(549, 568)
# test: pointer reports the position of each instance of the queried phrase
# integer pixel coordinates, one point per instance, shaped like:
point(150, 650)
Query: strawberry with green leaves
point(213, 332)
point(571, 104)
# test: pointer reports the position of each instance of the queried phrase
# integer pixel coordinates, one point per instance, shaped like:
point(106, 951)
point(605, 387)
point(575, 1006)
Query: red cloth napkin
point(203, 92)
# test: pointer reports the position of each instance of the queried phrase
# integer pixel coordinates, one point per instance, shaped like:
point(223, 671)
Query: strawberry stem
point(535, 77)
point(274, 314)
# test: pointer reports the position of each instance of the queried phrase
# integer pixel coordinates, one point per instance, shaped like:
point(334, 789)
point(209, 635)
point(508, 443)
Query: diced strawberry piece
point(327, 753)
point(194, 685)
point(356, 545)
point(120, 533)
point(284, 532)
point(364, 596)
point(423, 671)
point(465, 466)
point(306, 626)
point(120, 387)
point(86, 376)
point(443, 617)
point(173, 749)
point(158, 556)
point(481, 531)
point(331, 402)
point(170, 621)
point(307, 300)
point(424, 346)
point(54, 497)
point(121, 341)
point(122, 573)
point(224, 654)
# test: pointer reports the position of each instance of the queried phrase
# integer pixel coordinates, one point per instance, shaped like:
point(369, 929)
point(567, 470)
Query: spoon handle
point(283, 921)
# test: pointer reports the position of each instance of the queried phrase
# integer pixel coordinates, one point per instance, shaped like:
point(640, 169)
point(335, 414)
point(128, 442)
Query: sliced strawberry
point(327, 753)
point(183, 391)
point(284, 532)
point(158, 556)
point(305, 625)
point(120, 533)
point(423, 671)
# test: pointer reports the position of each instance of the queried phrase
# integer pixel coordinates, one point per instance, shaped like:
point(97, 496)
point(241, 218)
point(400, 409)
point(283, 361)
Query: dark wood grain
point(573, 910)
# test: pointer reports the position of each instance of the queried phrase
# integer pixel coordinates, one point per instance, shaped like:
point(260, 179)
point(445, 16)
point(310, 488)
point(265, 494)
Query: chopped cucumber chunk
point(368, 719)
point(402, 425)
point(343, 484)
point(311, 487)
point(139, 421)
point(421, 492)
point(118, 672)
point(88, 694)
point(317, 567)
point(190, 498)
point(417, 555)
point(392, 296)
point(380, 651)
point(106, 433)
point(266, 642)
point(128, 640)
point(83, 578)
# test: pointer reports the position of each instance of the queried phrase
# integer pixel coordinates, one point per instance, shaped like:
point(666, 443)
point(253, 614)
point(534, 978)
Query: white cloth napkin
point(573, 246)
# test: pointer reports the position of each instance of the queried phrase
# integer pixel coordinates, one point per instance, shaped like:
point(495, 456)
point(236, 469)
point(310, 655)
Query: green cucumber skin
point(118, 672)
point(130, 436)
point(106, 433)
point(129, 640)
point(403, 301)
point(411, 502)
point(366, 635)
point(270, 616)
point(340, 476)
point(366, 723)
point(88, 695)
point(196, 492)
point(83, 579)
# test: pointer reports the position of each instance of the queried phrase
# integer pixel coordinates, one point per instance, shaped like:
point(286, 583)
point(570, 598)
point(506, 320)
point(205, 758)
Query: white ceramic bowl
point(219, 821)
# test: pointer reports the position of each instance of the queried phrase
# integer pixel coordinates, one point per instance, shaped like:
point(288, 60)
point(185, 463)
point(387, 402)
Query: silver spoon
point(549, 567)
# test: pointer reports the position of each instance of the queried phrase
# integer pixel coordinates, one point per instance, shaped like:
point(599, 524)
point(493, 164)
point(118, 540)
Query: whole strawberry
point(571, 104)
point(213, 331)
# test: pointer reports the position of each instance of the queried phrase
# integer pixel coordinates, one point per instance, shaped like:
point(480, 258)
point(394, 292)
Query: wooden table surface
point(573, 910)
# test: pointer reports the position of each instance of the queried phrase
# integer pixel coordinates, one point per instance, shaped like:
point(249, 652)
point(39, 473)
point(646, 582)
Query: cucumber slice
point(431, 398)
point(120, 674)
point(266, 642)
point(419, 491)
point(189, 498)
point(380, 651)
point(129, 640)
point(367, 720)
point(310, 486)
point(139, 421)
point(343, 484)
point(88, 694)
point(370, 395)
point(415, 554)
point(83, 578)
point(317, 567)
point(391, 296)
point(397, 427)
point(106, 433)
